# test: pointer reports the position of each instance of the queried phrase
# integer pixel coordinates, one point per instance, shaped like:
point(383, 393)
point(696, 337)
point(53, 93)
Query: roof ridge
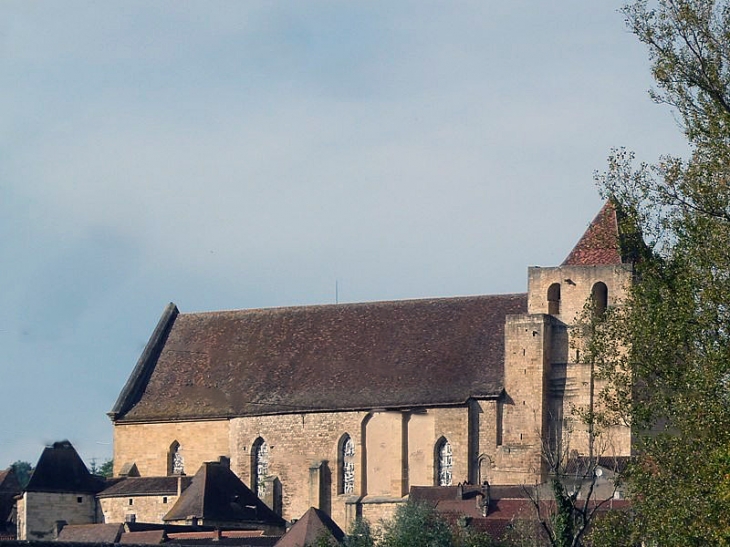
point(353, 304)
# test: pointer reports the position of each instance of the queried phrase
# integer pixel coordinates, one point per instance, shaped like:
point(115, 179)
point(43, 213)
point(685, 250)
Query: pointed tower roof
point(217, 494)
point(601, 243)
point(314, 526)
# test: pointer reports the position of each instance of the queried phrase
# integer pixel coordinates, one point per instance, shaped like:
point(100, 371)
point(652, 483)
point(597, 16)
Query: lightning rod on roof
point(337, 292)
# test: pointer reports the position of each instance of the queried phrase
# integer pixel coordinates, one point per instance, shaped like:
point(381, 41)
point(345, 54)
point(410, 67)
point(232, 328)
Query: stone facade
point(137, 508)
point(148, 445)
point(39, 513)
point(493, 435)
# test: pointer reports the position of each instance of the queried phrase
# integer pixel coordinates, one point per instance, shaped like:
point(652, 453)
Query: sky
point(228, 155)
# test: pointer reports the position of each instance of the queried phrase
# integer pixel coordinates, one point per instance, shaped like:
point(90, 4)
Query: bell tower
point(545, 379)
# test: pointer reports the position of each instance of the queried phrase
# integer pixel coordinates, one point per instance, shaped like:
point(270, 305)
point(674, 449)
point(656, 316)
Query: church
point(345, 407)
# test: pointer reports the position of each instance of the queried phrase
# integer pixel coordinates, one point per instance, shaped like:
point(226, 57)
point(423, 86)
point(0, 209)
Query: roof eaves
point(493, 394)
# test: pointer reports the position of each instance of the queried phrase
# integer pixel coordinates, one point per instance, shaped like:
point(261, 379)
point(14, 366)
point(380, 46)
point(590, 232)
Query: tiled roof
point(335, 357)
point(216, 494)
point(60, 469)
point(91, 533)
point(600, 244)
point(148, 537)
point(145, 486)
point(314, 527)
point(9, 481)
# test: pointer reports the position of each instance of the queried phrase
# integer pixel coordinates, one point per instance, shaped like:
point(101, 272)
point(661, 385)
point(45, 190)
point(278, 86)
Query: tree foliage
point(416, 525)
point(666, 352)
point(23, 471)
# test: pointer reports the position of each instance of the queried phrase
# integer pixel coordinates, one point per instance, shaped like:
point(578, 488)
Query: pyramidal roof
point(217, 494)
point(314, 527)
point(60, 469)
point(601, 243)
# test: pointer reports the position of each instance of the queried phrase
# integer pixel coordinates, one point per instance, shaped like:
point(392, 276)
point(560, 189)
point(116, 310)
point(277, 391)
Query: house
point(61, 491)
point(347, 407)
point(9, 490)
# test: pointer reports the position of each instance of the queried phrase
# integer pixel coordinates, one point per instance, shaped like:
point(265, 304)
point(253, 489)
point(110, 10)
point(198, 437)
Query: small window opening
point(131, 501)
point(79, 499)
point(164, 499)
point(554, 299)
point(599, 295)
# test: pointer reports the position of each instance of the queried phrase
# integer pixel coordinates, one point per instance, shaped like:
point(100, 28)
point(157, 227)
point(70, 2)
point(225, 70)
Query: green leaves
point(666, 352)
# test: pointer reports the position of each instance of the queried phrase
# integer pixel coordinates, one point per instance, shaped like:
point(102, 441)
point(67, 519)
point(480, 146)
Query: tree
point(360, 535)
point(566, 507)
point(671, 375)
point(106, 469)
point(415, 525)
point(23, 471)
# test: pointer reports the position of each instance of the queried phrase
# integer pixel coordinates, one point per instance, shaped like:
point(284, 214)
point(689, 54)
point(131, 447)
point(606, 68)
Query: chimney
point(179, 485)
point(459, 491)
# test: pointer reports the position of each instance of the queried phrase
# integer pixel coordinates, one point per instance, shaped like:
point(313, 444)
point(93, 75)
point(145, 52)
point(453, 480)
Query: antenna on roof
point(337, 292)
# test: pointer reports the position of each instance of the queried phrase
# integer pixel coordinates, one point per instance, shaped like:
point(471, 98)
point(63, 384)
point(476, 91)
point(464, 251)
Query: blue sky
point(227, 155)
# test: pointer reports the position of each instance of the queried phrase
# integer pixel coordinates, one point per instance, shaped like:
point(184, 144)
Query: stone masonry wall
point(145, 508)
point(297, 442)
point(394, 450)
point(38, 513)
point(571, 384)
point(148, 445)
point(518, 458)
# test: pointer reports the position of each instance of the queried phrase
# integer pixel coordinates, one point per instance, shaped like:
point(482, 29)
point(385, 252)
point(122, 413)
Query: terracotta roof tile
point(91, 533)
point(600, 244)
point(148, 537)
point(314, 527)
point(336, 357)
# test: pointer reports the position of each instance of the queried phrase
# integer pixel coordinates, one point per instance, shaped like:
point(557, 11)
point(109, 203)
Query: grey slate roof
point(145, 486)
point(60, 469)
point(218, 495)
point(319, 358)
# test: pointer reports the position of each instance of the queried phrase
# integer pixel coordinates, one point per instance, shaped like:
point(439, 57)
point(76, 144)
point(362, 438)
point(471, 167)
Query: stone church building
point(346, 407)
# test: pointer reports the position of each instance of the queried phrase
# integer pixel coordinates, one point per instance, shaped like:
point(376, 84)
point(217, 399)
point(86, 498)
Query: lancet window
point(176, 463)
point(347, 465)
point(259, 466)
point(444, 463)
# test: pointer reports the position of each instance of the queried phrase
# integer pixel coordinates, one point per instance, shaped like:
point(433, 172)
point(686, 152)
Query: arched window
point(599, 295)
point(444, 463)
point(175, 462)
point(553, 296)
point(259, 466)
point(346, 463)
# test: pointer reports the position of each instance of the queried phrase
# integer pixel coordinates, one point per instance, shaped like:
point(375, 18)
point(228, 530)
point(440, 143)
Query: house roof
point(216, 494)
point(91, 533)
point(147, 537)
point(600, 244)
point(145, 486)
point(9, 481)
point(314, 527)
point(60, 469)
point(320, 358)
